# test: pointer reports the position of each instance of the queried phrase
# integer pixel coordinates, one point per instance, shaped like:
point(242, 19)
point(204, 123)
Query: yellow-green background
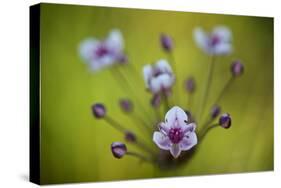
point(75, 147)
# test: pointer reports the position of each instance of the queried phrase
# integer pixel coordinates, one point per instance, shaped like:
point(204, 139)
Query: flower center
point(175, 135)
point(215, 40)
point(101, 51)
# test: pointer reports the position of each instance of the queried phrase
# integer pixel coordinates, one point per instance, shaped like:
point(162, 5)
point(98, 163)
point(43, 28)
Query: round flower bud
point(190, 85)
point(118, 149)
point(215, 111)
point(225, 121)
point(130, 137)
point(166, 42)
point(99, 110)
point(237, 68)
point(126, 105)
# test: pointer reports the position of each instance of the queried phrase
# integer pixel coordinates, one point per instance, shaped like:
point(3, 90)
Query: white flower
point(175, 134)
point(102, 53)
point(218, 42)
point(158, 77)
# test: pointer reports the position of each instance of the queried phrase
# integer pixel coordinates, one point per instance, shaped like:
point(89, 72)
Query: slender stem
point(173, 62)
point(136, 118)
point(166, 102)
point(204, 132)
point(114, 124)
point(207, 87)
point(143, 146)
point(121, 129)
point(189, 101)
point(129, 88)
point(140, 156)
point(124, 86)
point(223, 91)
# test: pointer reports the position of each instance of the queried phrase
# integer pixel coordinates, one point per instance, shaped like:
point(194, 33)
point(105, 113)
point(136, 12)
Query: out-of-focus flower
point(237, 68)
point(190, 85)
point(99, 54)
point(218, 42)
point(118, 149)
point(99, 110)
point(225, 121)
point(175, 134)
point(126, 105)
point(158, 77)
point(166, 42)
point(215, 111)
point(130, 136)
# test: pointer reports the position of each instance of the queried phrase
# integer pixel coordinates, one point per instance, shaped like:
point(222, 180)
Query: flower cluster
point(181, 132)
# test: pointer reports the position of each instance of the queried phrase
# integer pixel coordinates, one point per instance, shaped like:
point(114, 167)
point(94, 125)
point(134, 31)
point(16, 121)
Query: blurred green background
point(75, 147)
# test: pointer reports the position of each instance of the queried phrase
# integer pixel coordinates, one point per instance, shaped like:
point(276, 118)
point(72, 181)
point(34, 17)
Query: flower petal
point(87, 48)
point(165, 80)
point(188, 141)
point(189, 128)
point(161, 140)
point(163, 66)
point(164, 129)
point(222, 48)
point(175, 150)
point(115, 41)
point(176, 114)
point(155, 85)
point(223, 33)
point(147, 74)
point(201, 39)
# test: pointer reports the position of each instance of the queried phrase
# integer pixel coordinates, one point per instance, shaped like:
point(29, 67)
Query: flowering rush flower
point(99, 54)
point(175, 134)
point(218, 42)
point(158, 77)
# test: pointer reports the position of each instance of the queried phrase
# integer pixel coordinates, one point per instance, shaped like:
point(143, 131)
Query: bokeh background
point(75, 147)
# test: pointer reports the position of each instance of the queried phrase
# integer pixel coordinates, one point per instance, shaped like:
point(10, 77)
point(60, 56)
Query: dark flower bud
point(166, 42)
point(237, 68)
point(126, 105)
point(118, 149)
point(225, 121)
point(215, 111)
point(123, 59)
point(99, 110)
point(130, 137)
point(156, 100)
point(190, 85)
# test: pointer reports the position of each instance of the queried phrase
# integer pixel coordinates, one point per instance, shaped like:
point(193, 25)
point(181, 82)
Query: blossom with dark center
point(215, 111)
point(126, 105)
point(166, 42)
point(99, 110)
point(99, 54)
point(118, 149)
point(175, 134)
point(190, 85)
point(225, 121)
point(158, 77)
point(237, 68)
point(218, 42)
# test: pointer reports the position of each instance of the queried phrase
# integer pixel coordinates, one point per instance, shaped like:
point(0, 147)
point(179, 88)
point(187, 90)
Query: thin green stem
point(204, 132)
point(115, 124)
point(129, 88)
point(223, 91)
point(207, 87)
point(139, 156)
point(174, 67)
